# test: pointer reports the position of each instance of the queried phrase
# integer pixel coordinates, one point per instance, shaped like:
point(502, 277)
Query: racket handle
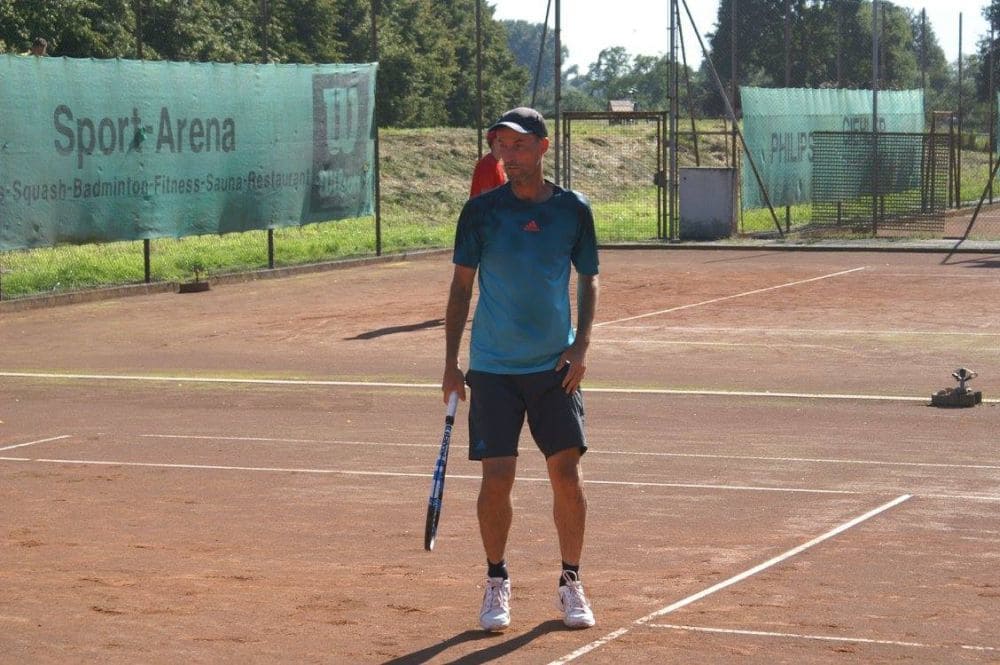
point(452, 405)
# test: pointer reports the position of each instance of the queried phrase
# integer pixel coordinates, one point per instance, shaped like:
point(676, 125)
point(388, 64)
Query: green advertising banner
point(104, 150)
point(778, 124)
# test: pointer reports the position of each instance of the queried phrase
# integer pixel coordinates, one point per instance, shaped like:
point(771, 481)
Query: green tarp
point(104, 150)
point(778, 124)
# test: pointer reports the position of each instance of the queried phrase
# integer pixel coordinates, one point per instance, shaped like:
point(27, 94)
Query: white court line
point(31, 443)
point(761, 393)
point(437, 386)
point(402, 474)
point(590, 481)
point(215, 379)
point(610, 637)
point(823, 638)
point(814, 331)
point(724, 298)
point(773, 344)
point(961, 497)
point(750, 458)
point(805, 460)
point(264, 439)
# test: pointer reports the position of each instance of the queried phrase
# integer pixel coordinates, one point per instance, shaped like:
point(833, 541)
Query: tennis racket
point(437, 484)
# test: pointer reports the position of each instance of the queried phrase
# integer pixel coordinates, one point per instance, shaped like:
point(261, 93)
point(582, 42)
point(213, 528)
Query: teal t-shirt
point(523, 252)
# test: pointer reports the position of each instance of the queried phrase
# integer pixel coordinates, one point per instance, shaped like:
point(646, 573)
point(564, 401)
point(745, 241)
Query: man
point(525, 357)
point(489, 173)
point(39, 47)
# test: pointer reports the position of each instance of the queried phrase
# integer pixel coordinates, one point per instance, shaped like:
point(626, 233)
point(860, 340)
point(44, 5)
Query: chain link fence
point(617, 160)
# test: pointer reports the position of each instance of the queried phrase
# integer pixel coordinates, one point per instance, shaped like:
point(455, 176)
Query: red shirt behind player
point(489, 173)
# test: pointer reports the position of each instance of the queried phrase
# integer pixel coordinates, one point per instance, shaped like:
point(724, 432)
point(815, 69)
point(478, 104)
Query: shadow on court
point(976, 263)
point(392, 330)
point(484, 655)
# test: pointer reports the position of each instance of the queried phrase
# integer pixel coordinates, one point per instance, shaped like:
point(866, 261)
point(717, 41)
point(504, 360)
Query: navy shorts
point(500, 402)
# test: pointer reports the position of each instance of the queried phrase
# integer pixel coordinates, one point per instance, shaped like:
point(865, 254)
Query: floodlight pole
point(992, 104)
point(377, 171)
point(961, 113)
point(788, 83)
point(558, 90)
point(146, 246)
point(673, 220)
point(479, 76)
point(265, 57)
point(875, 68)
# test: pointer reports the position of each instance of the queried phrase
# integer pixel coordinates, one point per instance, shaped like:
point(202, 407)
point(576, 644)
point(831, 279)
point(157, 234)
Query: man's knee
point(498, 474)
point(564, 469)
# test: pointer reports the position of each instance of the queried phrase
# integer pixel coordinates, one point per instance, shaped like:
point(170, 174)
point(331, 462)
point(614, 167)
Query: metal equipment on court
point(961, 396)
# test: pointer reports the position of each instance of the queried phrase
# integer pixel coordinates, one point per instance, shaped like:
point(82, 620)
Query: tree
point(306, 31)
point(985, 48)
point(935, 73)
point(427, 73)
point(605, 79)
point(503, 78)
point(201, 30)
point(73, 28)
point(831, 44)
point(525, 40)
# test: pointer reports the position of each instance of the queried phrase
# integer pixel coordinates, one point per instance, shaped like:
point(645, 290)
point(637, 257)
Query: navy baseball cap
point(524, 120)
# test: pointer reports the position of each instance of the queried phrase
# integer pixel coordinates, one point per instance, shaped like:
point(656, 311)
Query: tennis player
point(526, 359)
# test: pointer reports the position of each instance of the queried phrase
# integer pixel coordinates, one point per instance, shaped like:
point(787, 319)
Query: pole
point(992, 104)
point(265, 56)
point(377, 172)
point(840, 43)
point(138, 29)
point(923, 50)
point(788, 83)
point(788, 43)
point(479, 74)
point(541, 52)
point(146, 249)
point(672, 138)
point(732, 71)
point(558, 88)
point(875, 73)
point(687, 83)
point(961, 99)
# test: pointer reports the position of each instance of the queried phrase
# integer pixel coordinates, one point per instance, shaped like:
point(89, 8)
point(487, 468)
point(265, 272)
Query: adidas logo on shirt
point(531, 227)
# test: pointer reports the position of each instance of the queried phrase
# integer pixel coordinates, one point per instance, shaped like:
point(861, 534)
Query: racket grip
point(452, 405)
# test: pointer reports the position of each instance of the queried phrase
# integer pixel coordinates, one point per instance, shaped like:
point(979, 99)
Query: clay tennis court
point(241, 475)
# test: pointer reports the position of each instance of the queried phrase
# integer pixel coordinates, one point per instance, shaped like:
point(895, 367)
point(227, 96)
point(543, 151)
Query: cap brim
point(511, 125)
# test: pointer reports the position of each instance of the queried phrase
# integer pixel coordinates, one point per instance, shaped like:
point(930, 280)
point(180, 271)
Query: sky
point(643, 27)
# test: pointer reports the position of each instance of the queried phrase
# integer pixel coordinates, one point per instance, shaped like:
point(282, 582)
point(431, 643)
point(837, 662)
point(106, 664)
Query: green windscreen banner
point(778, 124)
point(105, 150)
point(997, 146)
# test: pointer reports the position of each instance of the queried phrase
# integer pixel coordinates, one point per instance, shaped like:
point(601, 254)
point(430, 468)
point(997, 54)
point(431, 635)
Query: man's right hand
point(453, 381)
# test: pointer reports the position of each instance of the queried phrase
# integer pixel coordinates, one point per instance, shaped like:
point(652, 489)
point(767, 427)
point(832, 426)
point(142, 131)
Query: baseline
point(634, 453)
point(436, 386)
point(422, 475)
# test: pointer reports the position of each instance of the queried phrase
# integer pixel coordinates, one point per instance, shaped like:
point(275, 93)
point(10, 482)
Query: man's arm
point(456, 316)
point(575, 356)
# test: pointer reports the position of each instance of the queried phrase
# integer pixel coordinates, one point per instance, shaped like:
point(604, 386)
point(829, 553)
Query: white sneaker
point(573, 603)
point(495, 613)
